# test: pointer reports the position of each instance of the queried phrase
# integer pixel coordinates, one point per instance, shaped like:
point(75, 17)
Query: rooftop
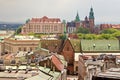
point(45, 19)
point(17, 37)
point(113, 73)
point(111, 46)
point(57, 63)
point(100, 45)
point(97, 62)
point(34, 74)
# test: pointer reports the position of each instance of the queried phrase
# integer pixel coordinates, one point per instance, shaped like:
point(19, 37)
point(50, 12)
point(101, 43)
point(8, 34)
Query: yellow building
point(20, 43)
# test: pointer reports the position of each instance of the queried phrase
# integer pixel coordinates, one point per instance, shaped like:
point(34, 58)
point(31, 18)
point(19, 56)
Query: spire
point(64, 23)
point(77, 19)
point(91, 14)
point(86, 18)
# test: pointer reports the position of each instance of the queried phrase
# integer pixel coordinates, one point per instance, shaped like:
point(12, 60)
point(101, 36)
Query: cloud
point(20, 10)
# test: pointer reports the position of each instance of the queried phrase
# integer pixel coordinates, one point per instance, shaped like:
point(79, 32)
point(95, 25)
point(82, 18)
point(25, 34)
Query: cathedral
point(88, 23)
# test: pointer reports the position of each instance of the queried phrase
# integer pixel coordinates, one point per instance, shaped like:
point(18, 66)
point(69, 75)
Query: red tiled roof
point(57, 63)
point(116, 26)
point(45, 19)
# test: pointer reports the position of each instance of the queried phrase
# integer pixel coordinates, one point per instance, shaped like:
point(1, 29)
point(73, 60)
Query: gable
point(68, 46)
point(68, 52)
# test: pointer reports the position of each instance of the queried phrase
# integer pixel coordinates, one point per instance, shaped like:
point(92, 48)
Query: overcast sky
point(105, 11)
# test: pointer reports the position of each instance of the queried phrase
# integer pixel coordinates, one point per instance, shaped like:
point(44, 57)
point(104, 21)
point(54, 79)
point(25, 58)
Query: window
point(19, 49)
point(76, 68)
point(55, 28)
point(24, 49)
point(30, 48)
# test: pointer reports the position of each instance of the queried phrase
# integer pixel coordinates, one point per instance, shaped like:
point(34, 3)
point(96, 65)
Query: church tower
point(91, 20)
point(77, 19)
point(65, 30)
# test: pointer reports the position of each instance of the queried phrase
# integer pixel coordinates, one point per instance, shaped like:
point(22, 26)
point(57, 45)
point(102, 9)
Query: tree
point(87, 36)
point(109, 31)
point(81, 36)
point(37, 35)
point(116, 34)
point(90, 36)
point(83, 30)
point(18, 31)
point(105, 36)
point(31, 34)
point(63, 37)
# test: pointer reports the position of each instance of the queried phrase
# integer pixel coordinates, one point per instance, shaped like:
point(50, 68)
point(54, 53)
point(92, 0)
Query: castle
point(86, 23)
point(47, 25)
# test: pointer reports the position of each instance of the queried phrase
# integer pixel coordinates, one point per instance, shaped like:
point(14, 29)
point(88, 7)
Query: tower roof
point(77, 19)
point(91, 14)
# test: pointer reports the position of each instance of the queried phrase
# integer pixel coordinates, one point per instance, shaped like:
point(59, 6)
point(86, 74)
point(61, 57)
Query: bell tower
point(91, 20)
point(77, 18)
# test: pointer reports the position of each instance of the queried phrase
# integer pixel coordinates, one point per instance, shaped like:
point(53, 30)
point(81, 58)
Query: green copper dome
point(91, 14)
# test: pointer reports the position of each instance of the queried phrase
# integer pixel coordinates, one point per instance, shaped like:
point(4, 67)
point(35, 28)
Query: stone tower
point(91, 20)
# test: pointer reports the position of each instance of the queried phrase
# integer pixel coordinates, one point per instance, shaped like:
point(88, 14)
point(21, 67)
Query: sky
point(105, 11)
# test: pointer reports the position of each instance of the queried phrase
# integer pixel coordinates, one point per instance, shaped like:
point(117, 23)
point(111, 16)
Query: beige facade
point(1, 47)
point(81, 69)
point(13, 46)
point(43, 25)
